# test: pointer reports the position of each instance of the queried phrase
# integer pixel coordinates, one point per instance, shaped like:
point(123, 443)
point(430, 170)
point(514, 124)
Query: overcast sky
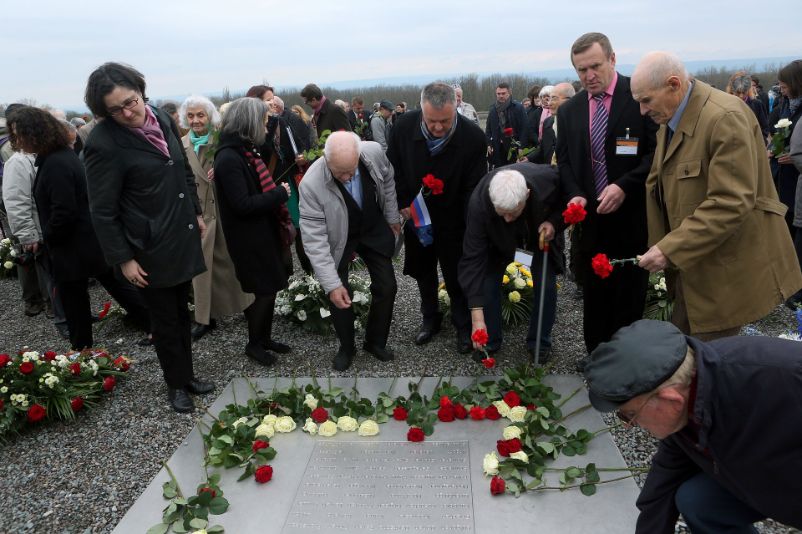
point(200, 46)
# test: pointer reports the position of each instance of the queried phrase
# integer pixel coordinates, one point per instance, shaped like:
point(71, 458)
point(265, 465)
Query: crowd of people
point(155, 203)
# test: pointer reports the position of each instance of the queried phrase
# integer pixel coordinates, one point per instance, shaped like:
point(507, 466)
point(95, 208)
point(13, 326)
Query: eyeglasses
point(630, 421)
point(128, 104)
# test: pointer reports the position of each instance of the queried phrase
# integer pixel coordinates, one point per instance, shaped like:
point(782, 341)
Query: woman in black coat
point(255, 220)
point(146, 214)
point(61, 199)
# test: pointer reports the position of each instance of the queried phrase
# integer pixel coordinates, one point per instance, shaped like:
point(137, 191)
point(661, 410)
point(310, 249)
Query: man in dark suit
point(326, 116)
point(359, 118)
point(504, 114)
point(604, 152)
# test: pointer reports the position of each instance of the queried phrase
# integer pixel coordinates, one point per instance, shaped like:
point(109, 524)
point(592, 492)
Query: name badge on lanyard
point(626, 146)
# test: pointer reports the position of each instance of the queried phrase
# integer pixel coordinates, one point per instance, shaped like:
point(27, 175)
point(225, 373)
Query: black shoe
point(545, 355)
point(63, 330)
point(257, 353)
point(342, 361)
point(381, 353)
point(32, 310)
point(276, 346)
point(180, 400)
point(200, 330)
point(428, 329)
point(582, 363)
point(464, 343)
point(196, 387)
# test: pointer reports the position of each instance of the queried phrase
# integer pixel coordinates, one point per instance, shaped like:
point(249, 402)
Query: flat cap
point(386, 104)
point(636, 360)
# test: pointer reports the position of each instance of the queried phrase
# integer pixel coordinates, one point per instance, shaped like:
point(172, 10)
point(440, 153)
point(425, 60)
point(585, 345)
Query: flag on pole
point(421, 220)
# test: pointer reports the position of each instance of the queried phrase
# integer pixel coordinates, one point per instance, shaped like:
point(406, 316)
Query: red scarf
point(267, 184)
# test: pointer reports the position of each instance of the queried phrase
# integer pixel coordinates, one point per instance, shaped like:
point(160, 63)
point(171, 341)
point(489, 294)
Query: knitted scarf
point(267, 184)
point(437, 144)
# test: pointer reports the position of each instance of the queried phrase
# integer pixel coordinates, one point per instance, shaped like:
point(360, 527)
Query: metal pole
point(544, 246)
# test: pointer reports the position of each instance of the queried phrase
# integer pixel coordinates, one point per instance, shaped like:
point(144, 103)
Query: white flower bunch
point(50, 380)
point(783, 123)
point(20, 399)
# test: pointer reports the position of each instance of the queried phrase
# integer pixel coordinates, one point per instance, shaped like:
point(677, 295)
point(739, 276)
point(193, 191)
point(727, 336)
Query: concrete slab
point(268, 508)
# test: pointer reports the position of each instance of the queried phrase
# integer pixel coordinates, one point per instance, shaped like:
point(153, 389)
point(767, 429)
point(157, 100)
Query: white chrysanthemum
point(792, 337)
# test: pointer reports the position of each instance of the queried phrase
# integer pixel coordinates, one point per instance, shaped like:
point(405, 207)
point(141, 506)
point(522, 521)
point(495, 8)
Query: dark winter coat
point(516, 119)
point(250, 220)
point(331, 117)
point(144, 204)
point(548, 145)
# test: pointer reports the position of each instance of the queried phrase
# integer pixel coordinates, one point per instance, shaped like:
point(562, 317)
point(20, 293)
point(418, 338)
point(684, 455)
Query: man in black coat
point(510, 207)
point(326, 116)
point(728, 415)
point(359, 118)
point(436, 140)
point(604, 153)
point(506, 113)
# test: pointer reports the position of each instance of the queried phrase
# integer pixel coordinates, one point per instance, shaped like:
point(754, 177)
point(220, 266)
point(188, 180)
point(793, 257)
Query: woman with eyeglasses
point(146, 214)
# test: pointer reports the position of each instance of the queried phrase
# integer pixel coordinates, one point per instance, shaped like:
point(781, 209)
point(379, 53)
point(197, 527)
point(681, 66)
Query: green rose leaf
point(168, 490)
point(218, 505)
point(227, 439)
point(161, 528)
point(547, 447)
point(198, 523)
point(573, 472)
point(587, 489)
point(217, 529)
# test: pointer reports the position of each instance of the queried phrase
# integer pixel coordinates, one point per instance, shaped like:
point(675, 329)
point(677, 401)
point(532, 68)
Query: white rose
point(4, 389)
point(310, 401)
point(327, 429)
point(783, 123)
point(285, 424)
point(310, 426)
point(490, 464)
point(240, 421)
point(369, 427)
point(511, 432)
point(324, 313)
point(8, 265)
point(266, 431)
point(347, 423)
point(269, 419)
point(520, 455)
point(301, 314)
point(520, 283)
point(502, 407)
point(517, 414)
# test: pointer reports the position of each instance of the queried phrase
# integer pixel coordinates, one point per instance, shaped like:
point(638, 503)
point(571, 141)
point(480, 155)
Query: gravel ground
point(82, 477)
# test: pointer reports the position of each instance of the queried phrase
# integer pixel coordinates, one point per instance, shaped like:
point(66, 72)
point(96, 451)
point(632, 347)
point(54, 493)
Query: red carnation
point(258, 445)
point(508, 132)
point(512, 399)
point(477, 413)
point(601, 265)
point(415, 434)
point(502, 448)
point(320, 415)
point(435, 185)
point(75, 368)
point(480, 337)
point(50, 356)
point(108, 383)
point(446, 414)
point(400, 413)
point(121, 362)
point(26, 368)
point(514, 445)
point(77, 404)
point(489, 363)
point(36, 413)
point(207, 489)
point(263, 474)
point(445, 401)
point(4, 359)
point(574, 213)
point(460, 412)
point(497, 485)
point(491, 412)
point(105, 311)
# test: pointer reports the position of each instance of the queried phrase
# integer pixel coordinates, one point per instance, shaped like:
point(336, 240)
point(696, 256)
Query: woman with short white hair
point(545, 97)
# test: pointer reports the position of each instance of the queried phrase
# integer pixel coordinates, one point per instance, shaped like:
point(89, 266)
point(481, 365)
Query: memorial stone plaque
point(359, 486)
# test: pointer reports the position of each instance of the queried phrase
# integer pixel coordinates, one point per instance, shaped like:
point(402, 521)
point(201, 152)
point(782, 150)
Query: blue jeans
point(708, 508)
point(492, 308)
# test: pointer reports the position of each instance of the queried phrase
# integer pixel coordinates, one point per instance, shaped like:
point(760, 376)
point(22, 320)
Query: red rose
point(512, 399)
point(508, 132)
point(501, 447)
point(415, 434)
point(4, 359)
point(480, 337)
point(26, 368)
point(489, 362)
point(400, 413)
point(75, 368)
point(530, 406)
point(108, 383)
point(320, 415)
point(497, 485)
point(435, 185)
point(601, 265)
point(446, 414)
point(258, 445)
point(77, 404)
point(36, 413)
point(2, 404)
point(514, 445)
point(477, 413)
point(121, 362)
point(105, 311)
point(50, 356)
point(263, 474)
point(491, 412)
point(460, 412)
point(445, 401)
point(207, 489)
point(574, 213)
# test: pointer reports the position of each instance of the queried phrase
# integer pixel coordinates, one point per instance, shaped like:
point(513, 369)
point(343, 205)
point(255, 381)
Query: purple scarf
point(151, 132)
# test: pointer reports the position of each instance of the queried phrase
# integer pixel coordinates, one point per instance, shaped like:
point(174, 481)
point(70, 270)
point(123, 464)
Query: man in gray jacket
point(348, 205)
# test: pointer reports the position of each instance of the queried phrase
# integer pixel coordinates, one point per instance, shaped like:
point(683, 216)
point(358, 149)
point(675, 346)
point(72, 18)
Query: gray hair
point(547, 89)
point(68, 126)
point(656, 67)
point(333, 140)
point(77, 122)
point(507, 190)
point(438, 94)
point(195, 101)
point(741, 85)
point(245, 117)
point(278, 102)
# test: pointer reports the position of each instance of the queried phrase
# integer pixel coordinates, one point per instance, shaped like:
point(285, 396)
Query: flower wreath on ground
point(35, 386)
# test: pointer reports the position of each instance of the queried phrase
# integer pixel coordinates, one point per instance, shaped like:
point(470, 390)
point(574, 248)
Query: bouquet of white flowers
point(304, 302)
point(7, 256)
point(658, 305)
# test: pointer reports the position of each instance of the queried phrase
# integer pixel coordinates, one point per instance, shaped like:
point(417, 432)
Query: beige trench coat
point(723, 226)
point(217, 291)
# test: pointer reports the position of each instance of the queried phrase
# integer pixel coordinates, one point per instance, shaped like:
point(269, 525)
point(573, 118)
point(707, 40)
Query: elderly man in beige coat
point(714, 217)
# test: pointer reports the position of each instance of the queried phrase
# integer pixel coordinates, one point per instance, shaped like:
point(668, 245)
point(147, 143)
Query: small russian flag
point(421, 220)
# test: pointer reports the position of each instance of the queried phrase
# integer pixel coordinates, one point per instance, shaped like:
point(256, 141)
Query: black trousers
point(171, 327)
point(382, 291)
point(75, 300)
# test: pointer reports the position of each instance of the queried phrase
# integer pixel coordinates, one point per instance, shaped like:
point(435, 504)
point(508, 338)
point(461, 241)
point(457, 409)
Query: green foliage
point(190, 514)
point(8, 269)
point(658, 306)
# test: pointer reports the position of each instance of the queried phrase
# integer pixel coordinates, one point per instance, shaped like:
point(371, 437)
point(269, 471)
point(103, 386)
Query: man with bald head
point(348, 205)
point(715, 223)
point(546, 151)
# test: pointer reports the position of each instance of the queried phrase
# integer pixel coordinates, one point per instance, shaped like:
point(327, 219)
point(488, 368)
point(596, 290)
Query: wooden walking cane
point(544, 246)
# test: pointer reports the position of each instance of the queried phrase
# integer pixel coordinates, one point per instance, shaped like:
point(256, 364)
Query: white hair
point(278, 102)
point(546, 91)
point(336, 142)
point(656, 67)
point(195, 101)
point(507, 190)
